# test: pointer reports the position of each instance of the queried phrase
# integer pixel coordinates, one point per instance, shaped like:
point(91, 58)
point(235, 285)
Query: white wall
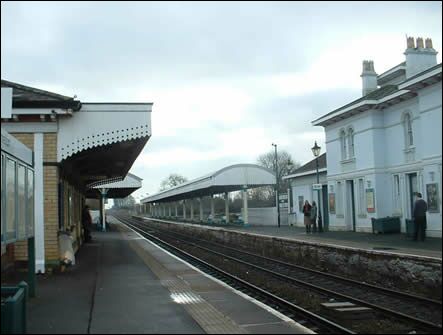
point(266, 216)
point(379, 141)
point(302, 186)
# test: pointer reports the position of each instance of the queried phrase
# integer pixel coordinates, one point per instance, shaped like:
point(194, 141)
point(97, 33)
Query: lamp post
point(289, 167)
point(316, 151)
point(277, 185)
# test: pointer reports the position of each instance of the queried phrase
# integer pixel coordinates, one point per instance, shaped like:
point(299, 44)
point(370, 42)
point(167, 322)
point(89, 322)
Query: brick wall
point(50, 185)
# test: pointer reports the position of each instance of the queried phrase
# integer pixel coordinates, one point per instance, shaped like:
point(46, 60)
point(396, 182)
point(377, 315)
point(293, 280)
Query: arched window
point(409, 136)
point(351, 142)
point(343, 144)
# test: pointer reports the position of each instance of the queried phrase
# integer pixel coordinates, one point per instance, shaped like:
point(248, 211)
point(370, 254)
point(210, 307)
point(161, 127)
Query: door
point(413, 188)
point(350, 205)
point(325, 210)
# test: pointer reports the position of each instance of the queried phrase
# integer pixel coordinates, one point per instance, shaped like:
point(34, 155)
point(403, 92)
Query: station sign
point(316, 186)
point(283, 200)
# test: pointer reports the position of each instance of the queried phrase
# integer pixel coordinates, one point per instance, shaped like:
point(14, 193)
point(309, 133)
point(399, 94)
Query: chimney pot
point(420, 43)
point(410, 43)
point(428, 43)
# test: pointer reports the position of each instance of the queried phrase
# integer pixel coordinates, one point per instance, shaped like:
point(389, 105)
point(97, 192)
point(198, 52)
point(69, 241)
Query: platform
point(122, 283)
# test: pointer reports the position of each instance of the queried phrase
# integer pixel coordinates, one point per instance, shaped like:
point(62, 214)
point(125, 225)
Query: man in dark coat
point(87, 224)
point(420, 208)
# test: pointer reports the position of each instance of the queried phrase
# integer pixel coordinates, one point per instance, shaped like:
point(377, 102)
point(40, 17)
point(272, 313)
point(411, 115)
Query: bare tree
point(172, 180)
point(286, 165)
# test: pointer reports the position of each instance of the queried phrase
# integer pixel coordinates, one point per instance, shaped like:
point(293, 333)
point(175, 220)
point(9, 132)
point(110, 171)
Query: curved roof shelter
point(231, 178)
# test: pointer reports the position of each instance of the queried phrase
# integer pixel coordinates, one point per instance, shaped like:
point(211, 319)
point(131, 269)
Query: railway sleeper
point(348, 311)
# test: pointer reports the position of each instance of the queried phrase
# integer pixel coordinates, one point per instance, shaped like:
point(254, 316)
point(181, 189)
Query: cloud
point(227, 79)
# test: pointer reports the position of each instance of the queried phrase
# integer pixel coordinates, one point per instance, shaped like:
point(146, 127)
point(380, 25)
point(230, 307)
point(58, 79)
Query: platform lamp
point(289, 166)
point(276, 185)
point(316, 151)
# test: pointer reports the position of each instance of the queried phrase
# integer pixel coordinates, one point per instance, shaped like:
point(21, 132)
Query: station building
point(387, 145)
point(76, 146)
point(300, 190)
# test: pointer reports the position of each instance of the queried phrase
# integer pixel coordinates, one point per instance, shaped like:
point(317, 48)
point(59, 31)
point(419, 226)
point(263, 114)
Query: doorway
point(413, 188)
point(350, 205)
point(325, 210)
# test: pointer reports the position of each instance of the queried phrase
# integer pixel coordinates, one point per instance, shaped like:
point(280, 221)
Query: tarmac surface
point(122, 283)
point(391, 243)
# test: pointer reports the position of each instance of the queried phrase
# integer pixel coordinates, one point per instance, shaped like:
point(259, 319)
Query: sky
point(227, 79)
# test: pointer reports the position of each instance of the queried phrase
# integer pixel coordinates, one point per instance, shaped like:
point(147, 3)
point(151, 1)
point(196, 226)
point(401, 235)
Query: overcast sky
point(227, 79)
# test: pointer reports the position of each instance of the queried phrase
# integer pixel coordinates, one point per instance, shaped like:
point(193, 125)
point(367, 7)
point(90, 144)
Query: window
point(351, 142)
point(11, 224)
point(408, 130)
point(21, 202)
point(3, 200)
point(343, 145)
point(361, 197)
point(30, 203)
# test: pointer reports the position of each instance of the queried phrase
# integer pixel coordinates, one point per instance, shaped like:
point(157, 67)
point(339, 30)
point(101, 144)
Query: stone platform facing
point(389, 260)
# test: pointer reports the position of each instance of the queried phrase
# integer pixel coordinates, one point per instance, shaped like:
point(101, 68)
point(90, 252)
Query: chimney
point(369, 77)
point(419, 57)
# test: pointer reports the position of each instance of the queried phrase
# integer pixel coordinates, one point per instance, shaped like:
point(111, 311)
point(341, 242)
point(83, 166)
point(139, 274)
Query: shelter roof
point(118, 189)
point(230, 178)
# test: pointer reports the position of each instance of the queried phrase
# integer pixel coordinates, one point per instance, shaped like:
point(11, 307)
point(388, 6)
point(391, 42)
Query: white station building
point(387, 145)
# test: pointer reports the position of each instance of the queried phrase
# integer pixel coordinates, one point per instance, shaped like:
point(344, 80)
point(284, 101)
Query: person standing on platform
point(307, 214)
point(419, 216)
point(313, 217)
point(87, 224)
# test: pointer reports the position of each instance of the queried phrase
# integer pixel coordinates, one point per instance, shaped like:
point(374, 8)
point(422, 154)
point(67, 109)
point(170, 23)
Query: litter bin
point(385, 225)
point(13, 317)
point(410, 228)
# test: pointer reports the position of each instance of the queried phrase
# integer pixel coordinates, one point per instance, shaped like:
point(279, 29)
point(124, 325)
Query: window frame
point(350, 137)
point(343, 146)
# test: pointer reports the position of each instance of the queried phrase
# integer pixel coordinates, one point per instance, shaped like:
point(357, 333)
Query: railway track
point(414, 313)
point(304, 317)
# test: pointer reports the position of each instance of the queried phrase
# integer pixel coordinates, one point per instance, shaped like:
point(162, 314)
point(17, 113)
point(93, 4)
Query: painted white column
point(176, 210)
point(201, 208)
point(39, 223)
point(212, 206)
point(289, 202)
point(103, 192)
point(192, 209)
point(184, 209)
point(227, 206)
point(245, 207)
point(169, 209)
point(164, 210)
